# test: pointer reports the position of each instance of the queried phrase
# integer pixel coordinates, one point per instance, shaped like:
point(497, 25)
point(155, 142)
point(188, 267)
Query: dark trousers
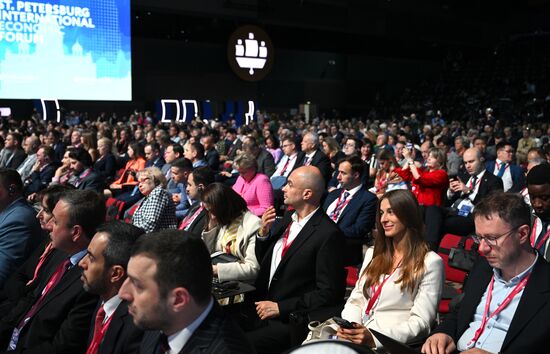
point(440, 221)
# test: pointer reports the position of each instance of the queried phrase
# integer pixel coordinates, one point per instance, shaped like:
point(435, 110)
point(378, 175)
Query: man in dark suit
point(465, 192)
point(171, 154)
point(538, 185)
point(12, 154)
point(56, 316)
point(211, 155)
point(169, 292)
point(53, 140)
point(512, 175)
point(311, 155)
point(19, 230)
point(42, 171)
point(352, 208)
point(266, 163)
point(103, 272)
point(153, 155)
point(506, 300)
point(301, 262)
point(195, 219)
point(83, 173)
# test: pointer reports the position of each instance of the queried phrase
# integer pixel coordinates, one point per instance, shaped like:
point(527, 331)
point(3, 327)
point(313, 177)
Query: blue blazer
point(518, 177)
point(20, 233)
point(357, 219)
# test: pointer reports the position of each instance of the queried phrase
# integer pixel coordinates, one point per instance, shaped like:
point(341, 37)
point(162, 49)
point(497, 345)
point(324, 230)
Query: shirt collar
point(111, 305)
point(310, 155)
point(498, 275)
point(304, 220)
point(178, 340)
point(77, 257)
point(354, 190)
point(479, 175)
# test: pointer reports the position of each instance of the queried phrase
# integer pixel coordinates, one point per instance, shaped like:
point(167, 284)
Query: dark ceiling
point(396, 28)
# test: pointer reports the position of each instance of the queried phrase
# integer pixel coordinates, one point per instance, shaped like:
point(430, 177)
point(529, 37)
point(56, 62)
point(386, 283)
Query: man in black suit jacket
point(84, 176)
point(465, 191)
point(103, 272)
point(266, 163)
point(510, 266)
point(301, 262)
point(42, 172)
point(169, 292)
point(56, 316)
point(352, 207)
point(311, 155)
point(211, 155)
point(196, 216)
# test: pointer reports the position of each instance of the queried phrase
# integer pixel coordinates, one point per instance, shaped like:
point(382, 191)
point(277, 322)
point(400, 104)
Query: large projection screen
point(65, 49)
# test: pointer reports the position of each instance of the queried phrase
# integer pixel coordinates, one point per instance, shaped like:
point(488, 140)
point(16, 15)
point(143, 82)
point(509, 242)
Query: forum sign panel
point(65, 49)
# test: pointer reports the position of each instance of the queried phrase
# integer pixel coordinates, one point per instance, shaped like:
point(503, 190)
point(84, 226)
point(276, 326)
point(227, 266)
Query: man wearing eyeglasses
point(506, 301)
point(512, 175)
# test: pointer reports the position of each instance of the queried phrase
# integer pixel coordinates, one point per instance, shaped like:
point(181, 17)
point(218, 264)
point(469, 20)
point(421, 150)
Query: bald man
point(301, 263)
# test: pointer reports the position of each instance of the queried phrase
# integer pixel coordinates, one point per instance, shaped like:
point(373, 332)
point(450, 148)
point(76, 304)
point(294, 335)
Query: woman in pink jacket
point(255, 188)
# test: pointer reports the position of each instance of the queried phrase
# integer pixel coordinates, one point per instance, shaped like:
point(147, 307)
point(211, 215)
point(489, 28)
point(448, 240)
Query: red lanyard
point(377, 292)
point(518, 288)
point(472, 186)
point(189, 219)
point(94, 346)
point(534, 235)
point(286, 244)
point(338, 208)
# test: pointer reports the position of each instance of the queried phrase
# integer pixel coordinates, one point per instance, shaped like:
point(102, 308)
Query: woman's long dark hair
point(224, 202)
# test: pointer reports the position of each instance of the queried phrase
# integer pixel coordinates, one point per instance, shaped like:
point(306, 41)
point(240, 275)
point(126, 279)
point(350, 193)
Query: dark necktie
point(163, 347)
point(339, 206)
point(501, 170)
point(541, 235)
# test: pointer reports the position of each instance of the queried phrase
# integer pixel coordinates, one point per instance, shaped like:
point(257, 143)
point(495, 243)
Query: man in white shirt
point(512, 175)
point(286, 164)
point(30, 146)
point(506, 298)
point(103, 272)
point(169, 291)
point(301, 263)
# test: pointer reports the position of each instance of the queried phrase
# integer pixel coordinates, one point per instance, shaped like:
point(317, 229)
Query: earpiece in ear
point(200, 188)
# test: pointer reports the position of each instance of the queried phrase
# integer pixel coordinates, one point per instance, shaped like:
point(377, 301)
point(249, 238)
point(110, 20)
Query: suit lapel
point(354, 203)
point(66, 281)
point(535, 295)
point(302, 237)
point(111, 336)
point(203, 335)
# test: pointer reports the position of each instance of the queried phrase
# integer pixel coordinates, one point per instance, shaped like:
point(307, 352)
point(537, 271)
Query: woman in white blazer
point(401, 280)
point(231, 229)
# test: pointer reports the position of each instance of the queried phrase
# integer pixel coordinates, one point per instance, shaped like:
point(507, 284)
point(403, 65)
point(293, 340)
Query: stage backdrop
point(65, 49)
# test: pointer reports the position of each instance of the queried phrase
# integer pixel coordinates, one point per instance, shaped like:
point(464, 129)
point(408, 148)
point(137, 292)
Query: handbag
point(461, 258)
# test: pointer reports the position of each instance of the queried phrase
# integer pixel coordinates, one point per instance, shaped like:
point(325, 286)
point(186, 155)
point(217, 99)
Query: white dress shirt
point(295, 228)
point(309, 157)
point(177, 341)
point(281, 165)
point(110, 306)
point(506, 177)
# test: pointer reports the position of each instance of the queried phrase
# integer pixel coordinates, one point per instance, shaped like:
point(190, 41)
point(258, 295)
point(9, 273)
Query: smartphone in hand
point(343, 323)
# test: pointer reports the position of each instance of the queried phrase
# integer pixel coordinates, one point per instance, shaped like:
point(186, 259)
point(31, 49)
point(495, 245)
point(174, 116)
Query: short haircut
point(48, 151)
point(203, 175)
point(198, 148)
point(246, 161)
point(182, 164)
point(224, 202)
point(86, 208)
point(10, 177)
point(122, 237)
point(82, 156)
point(445, 140)
point(502, 145)
point(357, 165)
point(539, 175)
point(182, 261)
point(177, 148)
point(154, 146)
point(511, 208)
point(159, 179)
point(314, 138)
point(17, 137)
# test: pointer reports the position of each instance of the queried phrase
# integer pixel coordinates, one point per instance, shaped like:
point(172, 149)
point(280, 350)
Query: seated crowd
point(113, 239)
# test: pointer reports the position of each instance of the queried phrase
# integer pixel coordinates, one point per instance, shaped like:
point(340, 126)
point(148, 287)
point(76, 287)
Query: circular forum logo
point(250, 53)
